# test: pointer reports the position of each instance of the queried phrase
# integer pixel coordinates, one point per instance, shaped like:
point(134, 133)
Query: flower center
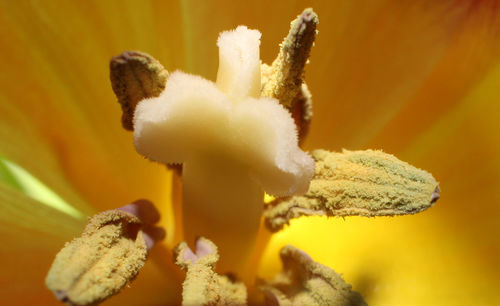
point(233, 145)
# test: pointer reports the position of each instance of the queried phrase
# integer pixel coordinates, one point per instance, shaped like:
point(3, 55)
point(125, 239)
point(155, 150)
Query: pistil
point(222, 202)
point(233, 145)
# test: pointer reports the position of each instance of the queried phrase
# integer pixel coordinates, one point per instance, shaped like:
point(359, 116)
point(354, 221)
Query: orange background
point(418, 79)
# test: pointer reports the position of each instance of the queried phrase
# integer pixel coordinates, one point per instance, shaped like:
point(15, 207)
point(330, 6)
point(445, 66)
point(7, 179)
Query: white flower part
point(239, 63)
point(195, 117)
point(233, 144)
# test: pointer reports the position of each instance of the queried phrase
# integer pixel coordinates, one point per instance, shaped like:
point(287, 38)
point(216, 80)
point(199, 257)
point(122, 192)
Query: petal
point(429, 95)
point(418, 259)
point(472, 54)
point(22, 146)
point(57, 103)
point(375, 74)
point(32, 233)
point(382, 73)
point(59, 121)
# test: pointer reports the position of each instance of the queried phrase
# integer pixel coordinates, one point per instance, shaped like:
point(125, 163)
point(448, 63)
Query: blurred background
point(417, 79)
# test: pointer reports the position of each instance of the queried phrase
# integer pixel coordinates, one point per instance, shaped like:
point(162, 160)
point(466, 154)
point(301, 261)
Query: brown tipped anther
point(284, 80)
point(135, 76)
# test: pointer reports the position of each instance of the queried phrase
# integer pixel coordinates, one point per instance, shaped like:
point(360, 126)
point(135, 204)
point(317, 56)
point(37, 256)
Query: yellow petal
point(417, 260)
point(59, 119)
point(370, 62)
point(32, 233)
point(22, 146)
point(471, 54)
point(60, 122)
point(446, 123)
point(382, 72)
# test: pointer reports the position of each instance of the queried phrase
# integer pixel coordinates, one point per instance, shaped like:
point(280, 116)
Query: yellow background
point(418, 79)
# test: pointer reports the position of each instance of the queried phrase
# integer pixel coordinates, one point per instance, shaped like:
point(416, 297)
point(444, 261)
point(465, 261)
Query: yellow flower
point(416, 79)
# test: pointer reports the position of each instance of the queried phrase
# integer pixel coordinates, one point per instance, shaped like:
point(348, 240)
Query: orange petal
point(32, 233)
point(415, 260)
point(383, 72)
point(447, 124)
point(59, 118)
point(370, 63)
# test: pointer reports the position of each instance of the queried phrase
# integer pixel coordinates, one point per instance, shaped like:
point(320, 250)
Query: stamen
point(305, 282)
point(108, 255)
point(135, 76)
point(302, 111)
point(283, 80)
point(357, 183)
point(202, 285)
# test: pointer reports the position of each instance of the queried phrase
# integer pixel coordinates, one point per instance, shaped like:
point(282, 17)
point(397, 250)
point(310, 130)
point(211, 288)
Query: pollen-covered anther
point(108, 255)
point(358, 183)
point(284, 78)
point(202, 285)
point(135, 76)
point(305, 282)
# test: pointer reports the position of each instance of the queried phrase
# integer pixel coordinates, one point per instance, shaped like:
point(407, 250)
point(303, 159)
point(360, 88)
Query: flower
point(432, 104)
